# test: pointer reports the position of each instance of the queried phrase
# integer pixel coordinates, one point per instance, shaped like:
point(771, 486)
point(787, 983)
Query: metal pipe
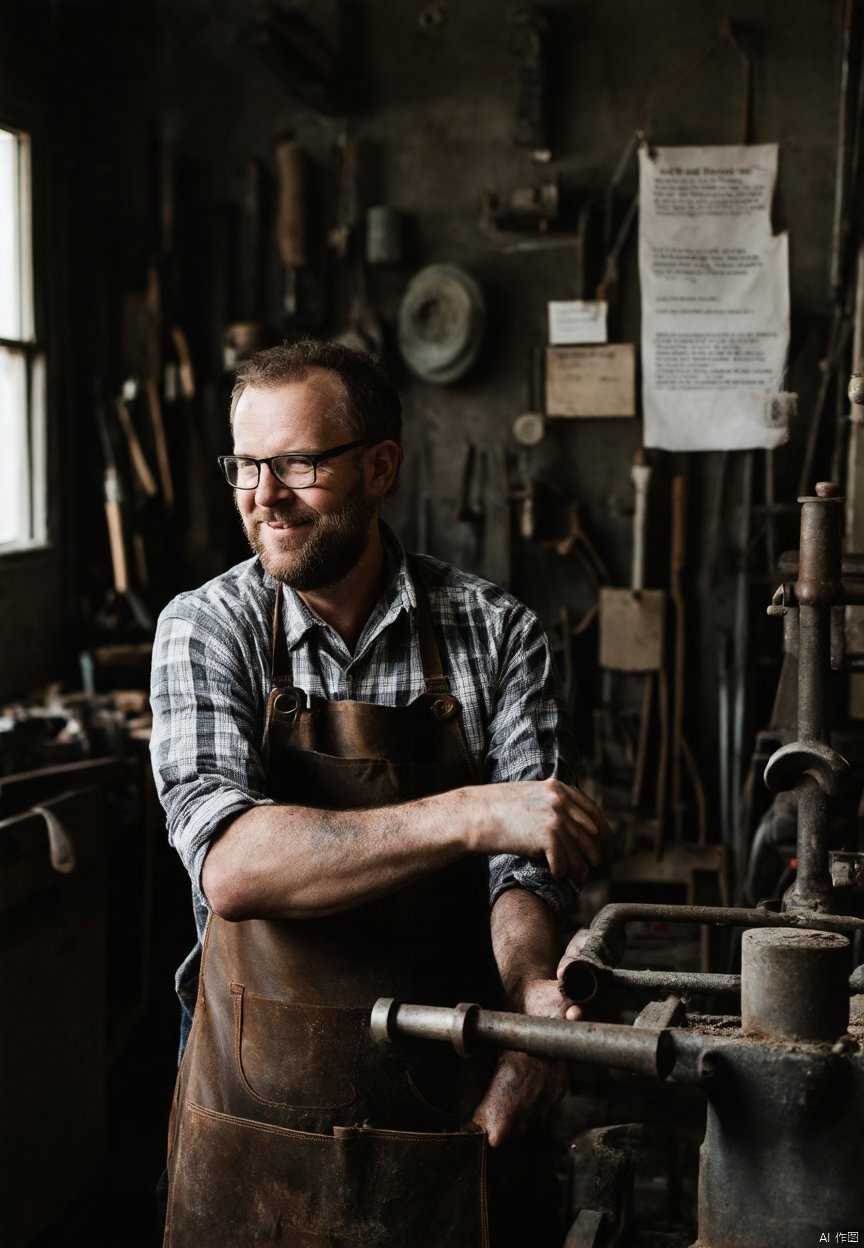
point(840, 224)
point(818, 585)
point(640, 1050)
point(607, 939)
point(683, 983)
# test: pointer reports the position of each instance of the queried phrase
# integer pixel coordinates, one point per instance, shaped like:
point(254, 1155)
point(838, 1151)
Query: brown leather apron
point(289, 1125)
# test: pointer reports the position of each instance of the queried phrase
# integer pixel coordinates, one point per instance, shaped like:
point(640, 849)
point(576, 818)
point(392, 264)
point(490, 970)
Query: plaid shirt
point(211, 680)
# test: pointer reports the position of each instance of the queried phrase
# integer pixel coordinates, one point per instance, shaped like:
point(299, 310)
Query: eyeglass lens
point(243, 474)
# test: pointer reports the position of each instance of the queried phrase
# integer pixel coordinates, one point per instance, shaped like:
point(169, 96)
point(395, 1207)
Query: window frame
point(33, 349)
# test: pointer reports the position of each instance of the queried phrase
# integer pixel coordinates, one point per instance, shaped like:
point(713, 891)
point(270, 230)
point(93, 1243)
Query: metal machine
point(782, 1160)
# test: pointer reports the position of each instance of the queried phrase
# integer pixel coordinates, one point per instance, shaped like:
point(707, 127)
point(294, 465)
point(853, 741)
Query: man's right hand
point(537, 819)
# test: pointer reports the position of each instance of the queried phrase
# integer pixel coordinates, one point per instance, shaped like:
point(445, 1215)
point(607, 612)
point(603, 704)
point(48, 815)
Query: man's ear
point(384, 461)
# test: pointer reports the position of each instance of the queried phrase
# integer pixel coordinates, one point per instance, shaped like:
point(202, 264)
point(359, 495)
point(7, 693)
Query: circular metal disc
point(441, 321)
point(528, 429)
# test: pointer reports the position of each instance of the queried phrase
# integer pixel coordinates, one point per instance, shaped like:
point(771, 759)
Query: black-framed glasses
point(296, 469)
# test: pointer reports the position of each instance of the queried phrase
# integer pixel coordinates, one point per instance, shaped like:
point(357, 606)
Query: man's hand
point(537, 819)
point(525, 1088)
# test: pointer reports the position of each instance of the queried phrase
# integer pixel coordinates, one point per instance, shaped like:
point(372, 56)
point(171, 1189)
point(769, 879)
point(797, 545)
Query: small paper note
point(575, 321)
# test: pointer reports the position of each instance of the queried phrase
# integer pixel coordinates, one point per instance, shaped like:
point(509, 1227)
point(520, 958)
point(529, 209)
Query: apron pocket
point(416, 1188)
point(357, 1188)
point(297, 1056)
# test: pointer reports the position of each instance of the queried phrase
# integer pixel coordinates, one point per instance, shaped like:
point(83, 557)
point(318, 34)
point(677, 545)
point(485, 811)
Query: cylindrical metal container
point(794, 984)
point(383, 235)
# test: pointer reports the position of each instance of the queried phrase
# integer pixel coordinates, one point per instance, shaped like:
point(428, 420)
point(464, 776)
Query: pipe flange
point(382, 1023)
point(788, 765)
point(463, 1017)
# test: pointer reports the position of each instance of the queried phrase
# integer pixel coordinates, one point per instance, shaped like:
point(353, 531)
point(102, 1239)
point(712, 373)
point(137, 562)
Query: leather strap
point(430, 656)
point(280, 660)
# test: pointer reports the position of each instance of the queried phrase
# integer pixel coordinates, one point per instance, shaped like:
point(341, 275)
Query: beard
point(331, 546)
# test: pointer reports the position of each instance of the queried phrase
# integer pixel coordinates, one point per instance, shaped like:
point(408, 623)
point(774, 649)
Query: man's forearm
point(299, 861)
point(525, 941)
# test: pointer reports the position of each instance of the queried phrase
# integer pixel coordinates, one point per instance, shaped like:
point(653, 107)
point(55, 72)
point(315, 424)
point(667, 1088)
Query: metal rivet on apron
point(286, 703)
point(443, 708)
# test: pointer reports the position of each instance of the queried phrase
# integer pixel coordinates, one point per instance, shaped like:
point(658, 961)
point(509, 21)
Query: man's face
point(308, 538)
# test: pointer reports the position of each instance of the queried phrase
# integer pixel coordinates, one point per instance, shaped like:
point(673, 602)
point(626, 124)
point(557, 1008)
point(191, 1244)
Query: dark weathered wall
point(434, 112)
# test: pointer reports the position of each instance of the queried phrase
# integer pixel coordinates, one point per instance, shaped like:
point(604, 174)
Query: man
point(356, 752)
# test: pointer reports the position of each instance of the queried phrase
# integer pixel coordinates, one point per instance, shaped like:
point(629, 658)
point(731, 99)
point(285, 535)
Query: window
point(22, 360)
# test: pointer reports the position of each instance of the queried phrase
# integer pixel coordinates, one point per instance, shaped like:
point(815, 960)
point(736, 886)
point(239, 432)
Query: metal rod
point(819, 572)
point(684, 983)
point(641, 1050)
point(840, 226)
point(606, 938)
point(739, 669)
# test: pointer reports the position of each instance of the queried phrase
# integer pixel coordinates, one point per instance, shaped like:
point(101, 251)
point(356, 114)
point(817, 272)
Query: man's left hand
point(525, 1088)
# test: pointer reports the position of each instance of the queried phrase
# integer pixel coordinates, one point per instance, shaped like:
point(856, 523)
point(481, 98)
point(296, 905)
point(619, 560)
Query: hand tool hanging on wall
point(470, 511)
point(632, 620)
point(528, 432)
point(363, 331)
point(136, 452)
point(632, 639)
point(291, 217)
point(577, 545)
point(148, 489)
point(249, 297)
point(246, 329)
point(530, 28)
point(251, 248)
point(175, 343)
point(681, 752)
point(113, 507)
point(142, 360)
point(115, 502)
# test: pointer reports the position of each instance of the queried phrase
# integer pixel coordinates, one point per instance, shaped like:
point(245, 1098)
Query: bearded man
point(364, 768)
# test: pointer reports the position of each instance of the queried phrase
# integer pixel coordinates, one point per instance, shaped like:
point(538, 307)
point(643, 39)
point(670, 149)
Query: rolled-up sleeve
point(529, 739)
point(207, 730)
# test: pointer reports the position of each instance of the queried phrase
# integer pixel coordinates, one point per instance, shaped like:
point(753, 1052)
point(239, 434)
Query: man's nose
point(270, 488)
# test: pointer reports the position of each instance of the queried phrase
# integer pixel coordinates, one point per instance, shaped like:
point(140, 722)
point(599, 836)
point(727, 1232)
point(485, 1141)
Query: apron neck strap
point(430, 656)
point(280, 659)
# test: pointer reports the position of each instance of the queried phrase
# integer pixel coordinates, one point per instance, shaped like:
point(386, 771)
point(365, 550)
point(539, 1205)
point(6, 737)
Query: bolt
point(827, 489)
point(856, 389)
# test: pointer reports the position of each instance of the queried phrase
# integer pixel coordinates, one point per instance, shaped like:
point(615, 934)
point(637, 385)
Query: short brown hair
point(373, 409)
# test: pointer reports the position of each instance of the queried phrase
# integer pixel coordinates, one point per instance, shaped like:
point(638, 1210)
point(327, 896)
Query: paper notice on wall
point(574, 321)
point(715, 299)
point(591, 381)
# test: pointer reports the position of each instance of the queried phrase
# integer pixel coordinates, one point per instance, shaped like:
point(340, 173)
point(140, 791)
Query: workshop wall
point(433, 93)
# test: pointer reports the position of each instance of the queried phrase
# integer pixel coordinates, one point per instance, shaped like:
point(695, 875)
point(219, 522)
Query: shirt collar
point(398, 595)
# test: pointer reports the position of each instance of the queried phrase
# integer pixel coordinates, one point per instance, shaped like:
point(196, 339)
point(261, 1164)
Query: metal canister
point(383, 235)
